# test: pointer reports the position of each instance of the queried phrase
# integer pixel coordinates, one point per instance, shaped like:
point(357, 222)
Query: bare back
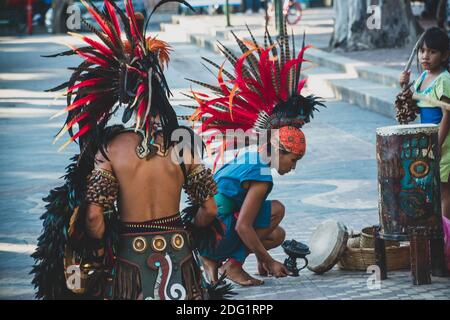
point(148, 189)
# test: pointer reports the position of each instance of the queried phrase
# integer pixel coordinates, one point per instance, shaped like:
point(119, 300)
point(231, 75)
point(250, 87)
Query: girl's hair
point(436, 39)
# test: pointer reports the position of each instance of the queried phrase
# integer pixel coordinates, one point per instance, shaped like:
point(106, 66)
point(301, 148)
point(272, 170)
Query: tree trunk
point(357, 27)
point(60, 15)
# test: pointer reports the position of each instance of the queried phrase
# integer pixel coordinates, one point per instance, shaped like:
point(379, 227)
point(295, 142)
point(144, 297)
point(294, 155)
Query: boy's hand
point(276, 269)
point(404, 78)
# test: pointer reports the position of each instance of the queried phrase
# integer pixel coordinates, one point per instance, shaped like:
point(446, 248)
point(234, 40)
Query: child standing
point(434, 83)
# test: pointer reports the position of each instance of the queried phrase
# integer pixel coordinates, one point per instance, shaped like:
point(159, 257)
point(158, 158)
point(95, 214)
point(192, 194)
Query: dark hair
point(436, 39)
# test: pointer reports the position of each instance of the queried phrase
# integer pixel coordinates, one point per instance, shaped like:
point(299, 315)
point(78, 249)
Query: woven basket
point(360, 258)
point(367, 241)
point(354, 241)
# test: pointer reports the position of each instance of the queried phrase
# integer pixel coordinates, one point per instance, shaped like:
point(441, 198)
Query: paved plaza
point(337, 179)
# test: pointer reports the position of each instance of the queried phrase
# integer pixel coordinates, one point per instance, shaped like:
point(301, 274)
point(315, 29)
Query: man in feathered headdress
point(114, 230)
point(262, 97)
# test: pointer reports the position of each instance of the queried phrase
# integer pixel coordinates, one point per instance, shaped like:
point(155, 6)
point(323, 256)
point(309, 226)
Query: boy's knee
point(281, 235)
point(278, 210)
point(277, 237)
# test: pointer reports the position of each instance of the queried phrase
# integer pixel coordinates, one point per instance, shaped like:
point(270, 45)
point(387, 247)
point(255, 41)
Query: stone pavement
point(336, 179)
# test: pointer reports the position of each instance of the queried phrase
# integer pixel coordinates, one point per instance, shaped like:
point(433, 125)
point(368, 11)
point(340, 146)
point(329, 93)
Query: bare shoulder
point(124, 142)
point(120, 149)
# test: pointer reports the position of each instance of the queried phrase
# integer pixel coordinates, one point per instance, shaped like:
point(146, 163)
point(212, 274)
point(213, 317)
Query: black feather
point(251, 59)
point(225, 72)
point(206, 85)
point(299, 66)
point(221, 291)
point(204, 237)
point(67, 53)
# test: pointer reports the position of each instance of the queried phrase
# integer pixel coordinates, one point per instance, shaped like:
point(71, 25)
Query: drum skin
point(408, 180)
point(327, 244)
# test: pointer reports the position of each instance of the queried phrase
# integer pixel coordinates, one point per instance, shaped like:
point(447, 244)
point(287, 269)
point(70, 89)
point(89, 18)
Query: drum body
point(408, 180)
point(327, 244)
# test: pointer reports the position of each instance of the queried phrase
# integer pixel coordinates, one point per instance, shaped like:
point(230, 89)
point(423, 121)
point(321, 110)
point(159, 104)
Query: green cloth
point(439, 87)
point(442, 89)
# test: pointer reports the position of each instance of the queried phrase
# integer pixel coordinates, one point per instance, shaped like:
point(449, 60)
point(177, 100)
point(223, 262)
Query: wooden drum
point(408, 180)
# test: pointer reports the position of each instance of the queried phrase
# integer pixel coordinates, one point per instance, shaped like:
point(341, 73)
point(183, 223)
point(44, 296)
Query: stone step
point(364, 70)
point(370, 87)
point(328, 83)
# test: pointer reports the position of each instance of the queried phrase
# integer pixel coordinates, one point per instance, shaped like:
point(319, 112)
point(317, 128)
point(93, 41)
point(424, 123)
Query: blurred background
point(20, 17)
point(51, 16)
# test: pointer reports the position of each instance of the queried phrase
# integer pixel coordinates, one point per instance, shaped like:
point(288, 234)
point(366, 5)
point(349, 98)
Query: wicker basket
point(367, 241)
point(354, 241)
point(360, 258)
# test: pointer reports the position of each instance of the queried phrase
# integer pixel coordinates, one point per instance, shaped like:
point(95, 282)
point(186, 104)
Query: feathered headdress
point(263, 93)
point(122, 68)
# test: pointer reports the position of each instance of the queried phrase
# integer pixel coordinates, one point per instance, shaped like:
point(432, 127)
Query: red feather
point(225, 89)
point(240, 79)
point(300, 86)
point(265, 70)
point(141, 73)
point(302, 52)
point(112, 14)
point(200, 94)
point(90, 58)
point(77, 119)
point(140, 90)
point(82, 131)
point(82, 101)
point(283, 77)
point(100, 47)
point(133, 24)
point(141, 108)
point(86, 83)
point(101, 22)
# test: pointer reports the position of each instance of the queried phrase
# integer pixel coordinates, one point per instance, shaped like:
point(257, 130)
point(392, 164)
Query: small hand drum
point(295, 250)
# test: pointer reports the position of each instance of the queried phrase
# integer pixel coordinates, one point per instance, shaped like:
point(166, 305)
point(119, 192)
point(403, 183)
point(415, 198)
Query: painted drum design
point(408, 180)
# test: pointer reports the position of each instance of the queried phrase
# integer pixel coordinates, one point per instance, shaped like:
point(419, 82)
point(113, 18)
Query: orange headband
point(292, 140)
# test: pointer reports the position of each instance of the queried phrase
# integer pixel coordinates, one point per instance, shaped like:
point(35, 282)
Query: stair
point(335, 76)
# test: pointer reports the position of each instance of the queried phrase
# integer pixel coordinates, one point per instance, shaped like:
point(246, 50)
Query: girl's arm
point(445, 123)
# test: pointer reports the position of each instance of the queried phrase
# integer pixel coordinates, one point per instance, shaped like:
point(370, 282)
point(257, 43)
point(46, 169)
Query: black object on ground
point(295, 250)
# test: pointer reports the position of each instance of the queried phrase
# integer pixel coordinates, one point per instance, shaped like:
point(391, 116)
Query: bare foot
point(236, 274)
point(262, 271)
point(211, 268)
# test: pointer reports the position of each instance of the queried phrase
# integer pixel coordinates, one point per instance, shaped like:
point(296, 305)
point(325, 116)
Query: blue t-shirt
point(246, 167)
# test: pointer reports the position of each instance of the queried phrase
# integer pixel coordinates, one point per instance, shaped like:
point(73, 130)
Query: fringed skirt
point(155, 262)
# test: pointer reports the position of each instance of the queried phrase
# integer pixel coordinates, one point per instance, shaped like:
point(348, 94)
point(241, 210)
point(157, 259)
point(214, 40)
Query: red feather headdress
point(263, 93)
point(122, 68)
